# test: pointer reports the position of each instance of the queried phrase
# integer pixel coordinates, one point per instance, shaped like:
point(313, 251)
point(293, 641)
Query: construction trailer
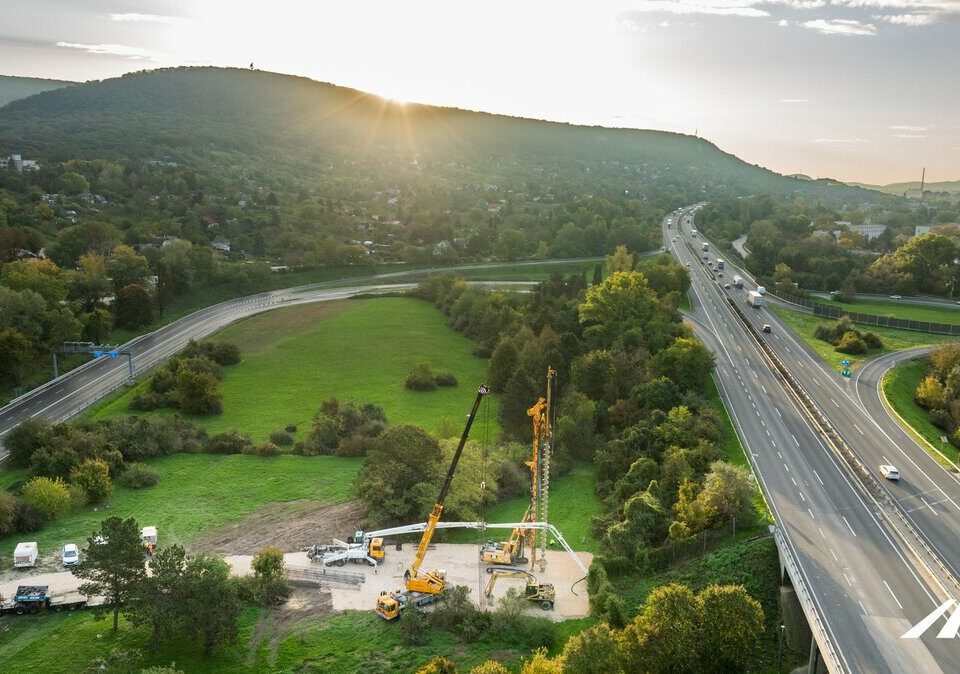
point(34, 598)
point(424, 588)
point(25, 555)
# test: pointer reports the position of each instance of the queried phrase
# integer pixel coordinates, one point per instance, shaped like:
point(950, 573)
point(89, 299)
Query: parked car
point(766, 328)
point(71, 554)
point(890, 472)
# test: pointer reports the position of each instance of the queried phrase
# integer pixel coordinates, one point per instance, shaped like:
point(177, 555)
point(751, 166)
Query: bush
point(445, 379)
point(148, 402)
point(231, 442)
point(824, 332)
point(262, 449)
point(138, 476)
point(272, 586)
point(355, 445)
point(94, 476)
point(225, 353)
point(50, 496)
point(851, 343)
point(413, 627)
point(281, 438)
point(290, 428)
point(8, 513)
point(872, 340)
point(29, 518)
point(421, 378)
point(79, 497)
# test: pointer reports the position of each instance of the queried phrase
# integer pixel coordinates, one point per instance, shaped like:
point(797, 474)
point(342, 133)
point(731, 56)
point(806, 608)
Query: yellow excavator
point(509, 551)
point(541, 594)
point(425, 588)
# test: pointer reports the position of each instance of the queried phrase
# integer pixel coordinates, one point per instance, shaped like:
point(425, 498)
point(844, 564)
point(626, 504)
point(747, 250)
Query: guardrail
point(863, 477)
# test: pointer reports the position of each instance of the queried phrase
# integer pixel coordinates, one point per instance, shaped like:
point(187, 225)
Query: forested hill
point(297, 123)
point(14, 88)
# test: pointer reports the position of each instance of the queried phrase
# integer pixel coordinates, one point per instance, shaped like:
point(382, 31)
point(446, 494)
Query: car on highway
point(70, 555)
point(889, 472)
point(896, 297)
point(688, 264)
point(727, 286)
point(766, 328)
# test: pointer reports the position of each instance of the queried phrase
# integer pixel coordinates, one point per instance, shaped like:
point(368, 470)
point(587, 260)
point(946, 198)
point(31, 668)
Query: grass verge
point(356, 350)
point(201, 491)
point(904, 310)
point(893, 340)
point(899, 385)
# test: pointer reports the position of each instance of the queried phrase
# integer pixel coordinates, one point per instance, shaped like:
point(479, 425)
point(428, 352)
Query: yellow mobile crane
point(424, 588)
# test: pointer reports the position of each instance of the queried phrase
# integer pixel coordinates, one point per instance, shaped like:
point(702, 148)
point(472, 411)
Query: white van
point(761, 290)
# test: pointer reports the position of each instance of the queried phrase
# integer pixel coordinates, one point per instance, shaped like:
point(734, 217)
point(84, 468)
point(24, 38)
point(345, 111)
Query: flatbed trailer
point(35, 598)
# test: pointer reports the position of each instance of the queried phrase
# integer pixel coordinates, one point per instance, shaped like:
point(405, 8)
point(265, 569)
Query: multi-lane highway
point(868, 585)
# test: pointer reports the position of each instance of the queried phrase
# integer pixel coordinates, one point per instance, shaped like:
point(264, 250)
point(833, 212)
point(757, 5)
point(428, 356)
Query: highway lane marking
point(803, 498)
point(799, 363)
point(834, 403)
point(845, 577)
point(780, 455)
point(818, 476)
point(768, 432)
point(774, 443)
point(816, 382)
point(754, 373)
point(858, 429)
point(764, 390)
point(929, 506)
point(862, 607)
point(811, 512)
point(779, 414)
point(848, 525)
point(795, 441)
point(835, 558)
point(822, 535)
point(787, 467)
point(794, 482)
point(763, 423)
point(893, 595)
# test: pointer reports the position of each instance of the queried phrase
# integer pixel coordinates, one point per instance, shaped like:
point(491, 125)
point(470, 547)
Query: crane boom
point(414, 570)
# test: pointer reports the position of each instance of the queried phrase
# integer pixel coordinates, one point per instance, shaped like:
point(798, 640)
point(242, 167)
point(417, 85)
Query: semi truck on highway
point(693, 233)
point(719, 264)
point(705, 246)
point(737, 281)
point(754, 299)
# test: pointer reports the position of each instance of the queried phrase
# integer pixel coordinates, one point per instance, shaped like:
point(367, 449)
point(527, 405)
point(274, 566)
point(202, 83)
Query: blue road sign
point(114, 353)
point(97, 354)
point(844, 362)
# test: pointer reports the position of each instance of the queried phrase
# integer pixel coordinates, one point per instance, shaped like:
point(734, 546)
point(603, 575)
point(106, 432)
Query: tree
point(91, 236)
point(540, 663)
point(73, 183)
point(211, 601)
point(665, 636)
point(8, 513)
point(728, 493)
point(593, 651)
point(621, 260)
point(930, 394)
point(94, 476)
point(113, 565)
point(687, 362)
point(126, 266)
point(926, 257)
point(134, 307)
point(25, 438)
point(16, 355)
point(490, 667)
point(503, 363)
point(97, 325)
point(270, 574)
point(89, 283)
point(198, 392)
point(41, 276)
point(401, 475)
point(731, 628)
point(49, 496)
point(159, 595)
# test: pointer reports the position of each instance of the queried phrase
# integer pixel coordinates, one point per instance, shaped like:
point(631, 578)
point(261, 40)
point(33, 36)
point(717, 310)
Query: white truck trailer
point(754, 299)
point(719, 264)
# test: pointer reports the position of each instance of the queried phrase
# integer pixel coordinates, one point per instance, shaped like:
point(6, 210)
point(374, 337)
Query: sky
point(857, 90)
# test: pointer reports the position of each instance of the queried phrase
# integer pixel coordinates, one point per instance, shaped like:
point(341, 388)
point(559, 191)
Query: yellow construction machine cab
point(376, 549)
point(387, 606)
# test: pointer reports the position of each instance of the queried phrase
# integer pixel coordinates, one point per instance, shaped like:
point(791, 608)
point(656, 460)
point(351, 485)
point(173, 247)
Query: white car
point(896, 297)
point(890, 472)
point(71, 555)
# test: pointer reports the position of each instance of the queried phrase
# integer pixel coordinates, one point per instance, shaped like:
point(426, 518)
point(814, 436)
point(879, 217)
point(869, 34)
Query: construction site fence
point(827, 311)
point(664, 556)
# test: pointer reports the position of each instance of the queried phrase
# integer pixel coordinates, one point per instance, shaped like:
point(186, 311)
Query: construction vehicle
point(541, 594)
point(509, 551)
point(33, 598)
point(424, 588)
point(354, 550)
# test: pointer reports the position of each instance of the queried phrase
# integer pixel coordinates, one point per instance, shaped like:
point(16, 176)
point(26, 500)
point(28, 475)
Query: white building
point(16, 161)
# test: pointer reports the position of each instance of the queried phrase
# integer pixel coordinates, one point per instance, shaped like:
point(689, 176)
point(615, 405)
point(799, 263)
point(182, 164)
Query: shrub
point(231, 442)
point(281, 438)
point(851, 343)
point(79, 497)
point(29, 518)
point(138, 476)
point(413, 627)
point(94, 476)
point(421, 378)
point(262, 449)
point(50, 496)
point(225, 353)
point(272, 586)
point(147, 402)
point(445, 379)
point(8, 513)
point(824, 332)
point(290, 428)
point(355, 445)
point(325, 434)
point(872, 340)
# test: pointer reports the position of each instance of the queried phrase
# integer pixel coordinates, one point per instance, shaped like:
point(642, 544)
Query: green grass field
point(203, 491)
point(899, 385)
point(904, 310)
point(893, 340)
point(356, 350)
point(573, 503)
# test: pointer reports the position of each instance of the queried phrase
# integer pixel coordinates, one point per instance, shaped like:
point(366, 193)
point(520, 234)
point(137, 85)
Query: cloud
point(797, 4)
point(909, 19)
point(840, 27)
point(839, 140)
point(783, 23)
point(143, 18)
point(132, 53)
point(712, 7)
point(794, 100)
point(907, 127)
point(910, 135)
